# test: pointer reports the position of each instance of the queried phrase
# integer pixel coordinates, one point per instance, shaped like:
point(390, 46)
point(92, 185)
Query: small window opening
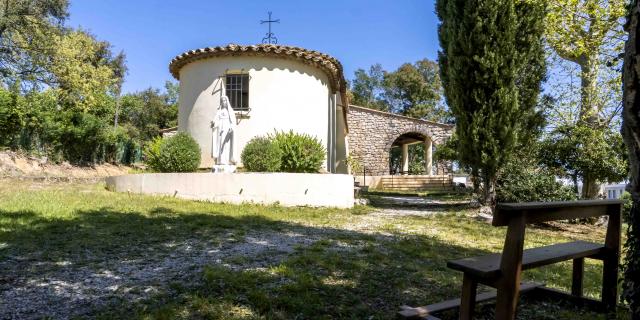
point(237, 89)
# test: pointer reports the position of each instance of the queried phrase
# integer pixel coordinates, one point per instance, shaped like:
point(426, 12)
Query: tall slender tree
point(489, 48)
point(631, 133)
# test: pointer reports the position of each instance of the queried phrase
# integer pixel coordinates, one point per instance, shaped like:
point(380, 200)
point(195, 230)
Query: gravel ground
point(33, 288)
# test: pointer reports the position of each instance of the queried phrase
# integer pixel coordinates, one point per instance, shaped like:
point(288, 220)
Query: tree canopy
point(413, 90)
point(26, 30)
point(585, 38)
point(61, 90)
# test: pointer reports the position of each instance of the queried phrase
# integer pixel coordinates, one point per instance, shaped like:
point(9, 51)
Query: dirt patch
point(17, 165)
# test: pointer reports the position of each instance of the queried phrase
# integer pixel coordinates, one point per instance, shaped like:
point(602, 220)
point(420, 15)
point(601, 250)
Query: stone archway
point(372, 133)
point(406, 141)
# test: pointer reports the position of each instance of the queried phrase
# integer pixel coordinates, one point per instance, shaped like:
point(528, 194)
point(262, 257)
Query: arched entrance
point(411, 153)
point(372, 134)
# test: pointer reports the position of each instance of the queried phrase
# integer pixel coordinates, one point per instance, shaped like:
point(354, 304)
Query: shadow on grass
point(336, 274)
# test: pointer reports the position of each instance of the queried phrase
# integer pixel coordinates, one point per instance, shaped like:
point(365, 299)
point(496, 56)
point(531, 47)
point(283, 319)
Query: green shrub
point(179, 153)
point(261, 154)
point(152, 153)
point(521, 182)
point(355, 165)
point(626, 206)
point(300, 152)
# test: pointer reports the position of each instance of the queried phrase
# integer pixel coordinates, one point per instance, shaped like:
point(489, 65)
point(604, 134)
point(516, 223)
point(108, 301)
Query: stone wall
point(372, 133)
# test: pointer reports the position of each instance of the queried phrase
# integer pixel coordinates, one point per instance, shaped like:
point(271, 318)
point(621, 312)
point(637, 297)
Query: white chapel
point(269, 87)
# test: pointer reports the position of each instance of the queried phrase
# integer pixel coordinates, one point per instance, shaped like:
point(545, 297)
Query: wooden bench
point(503, 271)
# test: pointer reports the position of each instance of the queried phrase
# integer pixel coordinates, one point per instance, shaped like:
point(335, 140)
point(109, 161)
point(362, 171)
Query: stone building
point(275, 87)
point(270, 87)
point(373, 133)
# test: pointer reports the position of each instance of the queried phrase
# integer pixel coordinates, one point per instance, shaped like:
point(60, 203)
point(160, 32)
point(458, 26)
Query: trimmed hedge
point(179, 153)
point(261, 154)
point(284, 152)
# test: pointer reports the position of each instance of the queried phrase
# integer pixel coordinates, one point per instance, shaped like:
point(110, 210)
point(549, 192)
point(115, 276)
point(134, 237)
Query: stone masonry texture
point(372, 133)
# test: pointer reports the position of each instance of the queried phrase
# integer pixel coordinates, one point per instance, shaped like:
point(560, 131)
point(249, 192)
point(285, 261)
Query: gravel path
point(33, 286)
point(33, 289)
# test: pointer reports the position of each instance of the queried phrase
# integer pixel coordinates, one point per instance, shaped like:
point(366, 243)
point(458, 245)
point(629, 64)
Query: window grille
point(237, 89)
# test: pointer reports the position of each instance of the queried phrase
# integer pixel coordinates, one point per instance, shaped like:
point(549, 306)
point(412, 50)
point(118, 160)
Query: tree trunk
point(631, 134)
point(488, 197)
point(589, 115)
point(589, 66)
point(476, 181)
point(590, 188)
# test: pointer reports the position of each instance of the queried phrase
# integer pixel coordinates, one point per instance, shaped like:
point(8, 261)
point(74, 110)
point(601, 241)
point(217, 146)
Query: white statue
point(224, 125)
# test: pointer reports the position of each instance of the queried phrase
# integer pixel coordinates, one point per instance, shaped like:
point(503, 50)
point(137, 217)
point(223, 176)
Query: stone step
point(417, 183)
point(417, 188)
point(419, 180)
point(416, 178)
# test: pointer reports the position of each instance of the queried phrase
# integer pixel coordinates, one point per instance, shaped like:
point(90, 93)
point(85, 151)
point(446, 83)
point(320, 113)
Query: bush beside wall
point(284, 152)
point(261, 154)
point(301, 153)
point(179, 153)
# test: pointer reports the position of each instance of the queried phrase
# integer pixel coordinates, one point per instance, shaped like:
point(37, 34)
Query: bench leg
point(511, 270)
point(468, 298)
point(610, 284)
point(578, 273)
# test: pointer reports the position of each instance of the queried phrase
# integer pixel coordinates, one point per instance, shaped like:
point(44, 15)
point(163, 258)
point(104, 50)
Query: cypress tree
point(492, 66)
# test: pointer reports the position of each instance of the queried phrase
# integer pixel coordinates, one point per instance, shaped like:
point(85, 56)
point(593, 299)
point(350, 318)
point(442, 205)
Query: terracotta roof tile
point(326, 63)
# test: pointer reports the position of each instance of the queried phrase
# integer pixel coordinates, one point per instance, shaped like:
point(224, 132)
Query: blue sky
point(359, 33)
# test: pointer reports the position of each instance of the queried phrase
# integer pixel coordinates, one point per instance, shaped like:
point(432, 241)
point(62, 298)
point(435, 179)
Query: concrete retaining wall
point(287, 189)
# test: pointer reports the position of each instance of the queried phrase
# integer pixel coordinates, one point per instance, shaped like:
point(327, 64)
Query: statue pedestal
point(223, 168)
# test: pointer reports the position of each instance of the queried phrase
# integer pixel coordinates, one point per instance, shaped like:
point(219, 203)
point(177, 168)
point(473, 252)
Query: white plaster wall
point(287, 189)
point(342, 145)
point(283, 95)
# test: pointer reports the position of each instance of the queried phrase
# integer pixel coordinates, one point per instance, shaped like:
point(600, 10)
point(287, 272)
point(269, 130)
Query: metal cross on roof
point(270, 38)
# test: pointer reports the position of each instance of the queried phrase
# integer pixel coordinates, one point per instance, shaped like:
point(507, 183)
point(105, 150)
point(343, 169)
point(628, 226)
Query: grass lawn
point(77, 250)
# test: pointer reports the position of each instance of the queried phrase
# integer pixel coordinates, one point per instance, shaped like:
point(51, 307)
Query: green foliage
point(37, 122)
point(300, 152)
point(83, 71)
point(522, 181)
point(152, 153)
point(631, 264)
point(367, 88)
point(483, 76)
point(587, 38)
point(355, 164)
point(178, 153)
point(61, 90)
point(626, 207)
point(447, 151)
point(582, 151)
point(413, 90)
point(261, 154)
point(27, 28)
point(148, 111)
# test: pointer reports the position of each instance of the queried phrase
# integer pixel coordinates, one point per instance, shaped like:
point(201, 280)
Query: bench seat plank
point(488, 266)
